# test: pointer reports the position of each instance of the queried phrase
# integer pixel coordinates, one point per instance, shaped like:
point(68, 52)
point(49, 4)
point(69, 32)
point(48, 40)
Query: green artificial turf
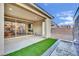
point(36, 49)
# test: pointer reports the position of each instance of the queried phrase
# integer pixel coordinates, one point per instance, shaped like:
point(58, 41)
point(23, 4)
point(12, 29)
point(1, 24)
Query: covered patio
point(23, 19)
point(18, 43)
point(24, 24)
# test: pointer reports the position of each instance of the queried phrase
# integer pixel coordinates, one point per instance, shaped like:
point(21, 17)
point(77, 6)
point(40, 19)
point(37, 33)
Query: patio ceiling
point(21, 13)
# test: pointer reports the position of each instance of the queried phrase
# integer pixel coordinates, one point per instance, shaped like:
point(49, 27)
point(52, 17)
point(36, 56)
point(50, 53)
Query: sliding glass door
point(13, 28)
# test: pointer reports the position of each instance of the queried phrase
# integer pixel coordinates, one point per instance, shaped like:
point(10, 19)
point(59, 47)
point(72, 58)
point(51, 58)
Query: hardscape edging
point(51, 49)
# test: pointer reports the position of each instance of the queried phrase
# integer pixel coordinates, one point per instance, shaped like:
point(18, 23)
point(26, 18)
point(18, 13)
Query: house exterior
point(22, 19)
point(34, 20)
point(76, 27)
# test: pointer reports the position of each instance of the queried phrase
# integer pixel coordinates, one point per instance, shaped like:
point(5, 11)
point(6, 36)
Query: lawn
point(36, 49)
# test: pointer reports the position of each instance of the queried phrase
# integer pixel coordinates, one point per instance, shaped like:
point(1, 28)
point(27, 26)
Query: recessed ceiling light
point(10, 9)
point(36, 17)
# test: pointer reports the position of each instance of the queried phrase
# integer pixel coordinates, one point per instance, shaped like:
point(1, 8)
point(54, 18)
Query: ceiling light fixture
point(10, 9)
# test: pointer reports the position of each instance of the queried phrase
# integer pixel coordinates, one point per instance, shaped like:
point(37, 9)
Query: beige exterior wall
point(43, 28)
point(37, 28)
point(26, 25)
point(1, 28)
point(48, 27)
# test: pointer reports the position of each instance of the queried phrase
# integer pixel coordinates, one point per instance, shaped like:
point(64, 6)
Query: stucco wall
point(26, 25)
point(1, 28)
point(48, 27)
point(37, 28)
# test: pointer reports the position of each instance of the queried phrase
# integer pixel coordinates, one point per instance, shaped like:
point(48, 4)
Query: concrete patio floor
point(17, 43)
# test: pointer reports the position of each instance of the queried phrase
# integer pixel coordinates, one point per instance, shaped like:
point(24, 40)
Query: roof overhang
point(34, 8)
point(26, 11)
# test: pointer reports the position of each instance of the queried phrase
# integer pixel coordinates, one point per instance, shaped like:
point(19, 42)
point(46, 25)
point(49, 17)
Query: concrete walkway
point(77, 48)
point(13, 44)
point(65, 49)
point(51, 49)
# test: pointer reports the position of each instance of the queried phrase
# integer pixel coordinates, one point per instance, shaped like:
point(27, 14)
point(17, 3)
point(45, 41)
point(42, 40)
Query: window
point(29, 25)
point(20, 29)
point(30, 29)
point(9, 29)
point(13, 28)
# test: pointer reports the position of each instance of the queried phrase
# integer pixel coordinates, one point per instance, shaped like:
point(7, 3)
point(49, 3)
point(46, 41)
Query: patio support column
point(43, 29)
point(1, 28)
point(48, 27)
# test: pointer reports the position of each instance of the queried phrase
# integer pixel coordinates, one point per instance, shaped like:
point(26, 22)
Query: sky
point(63, 12)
